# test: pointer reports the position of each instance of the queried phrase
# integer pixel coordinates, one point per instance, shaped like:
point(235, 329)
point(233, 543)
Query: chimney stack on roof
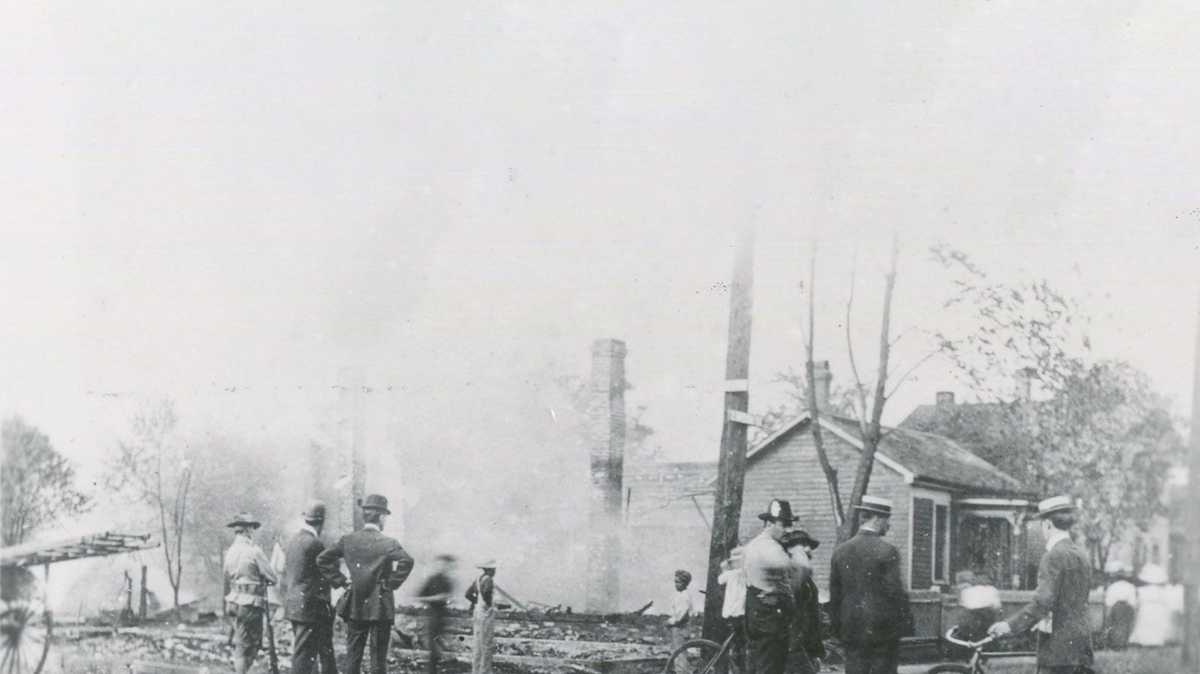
point(1024, 383)
point(945, 399)
point(822, 377)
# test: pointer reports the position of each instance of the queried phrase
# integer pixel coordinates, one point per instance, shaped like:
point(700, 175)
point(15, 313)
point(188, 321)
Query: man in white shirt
point(681, 613)
point(769, 601)
point(733, 608)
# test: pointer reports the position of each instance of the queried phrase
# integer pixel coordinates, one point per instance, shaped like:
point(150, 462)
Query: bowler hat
point(778, 511)
point(375, 502)
point(1055, 504)
point(244, 519)
point(875, 504)
point(315, 512)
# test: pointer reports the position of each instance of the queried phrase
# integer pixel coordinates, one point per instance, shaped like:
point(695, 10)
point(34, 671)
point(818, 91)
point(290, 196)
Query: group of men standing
point(869, 608)
point(377, 566)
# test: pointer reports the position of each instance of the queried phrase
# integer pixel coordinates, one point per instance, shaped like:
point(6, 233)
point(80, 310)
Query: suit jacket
point(867, 600)
point(1064, 578)
point(378, 566)
point(307, 598)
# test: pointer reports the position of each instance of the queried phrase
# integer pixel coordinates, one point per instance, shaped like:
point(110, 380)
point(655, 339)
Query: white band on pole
point(737, 385)
point(740, 417)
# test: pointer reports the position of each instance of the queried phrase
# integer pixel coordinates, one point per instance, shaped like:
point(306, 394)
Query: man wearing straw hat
point(249, 572)
point(483, 614)
point(1064, 579)
point(378, 566)
point(867, 600)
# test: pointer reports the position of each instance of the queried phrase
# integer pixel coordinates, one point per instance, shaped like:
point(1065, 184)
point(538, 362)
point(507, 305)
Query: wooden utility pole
point(731, 466)
point(1191, 566)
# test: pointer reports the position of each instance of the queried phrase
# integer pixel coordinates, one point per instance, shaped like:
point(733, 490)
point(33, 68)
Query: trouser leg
point(356, 641)
point(325, 647)
point(381, 638)
point(433, 634)
point(767, 633)
point(248, 635)
point(304, 647)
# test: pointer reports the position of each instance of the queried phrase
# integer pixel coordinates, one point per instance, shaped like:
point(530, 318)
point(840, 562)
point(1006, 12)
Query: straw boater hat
point(779, 510)
point(375, 502)
point(244, 519)
point(487, 564)
point(1055, 504)
point(875, 504)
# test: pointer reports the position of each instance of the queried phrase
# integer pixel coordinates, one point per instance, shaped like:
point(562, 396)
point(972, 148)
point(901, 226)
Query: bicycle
point(977, 664)
point(704, 656)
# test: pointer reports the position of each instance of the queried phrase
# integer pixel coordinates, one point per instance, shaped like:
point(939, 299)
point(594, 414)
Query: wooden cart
point(26, 626)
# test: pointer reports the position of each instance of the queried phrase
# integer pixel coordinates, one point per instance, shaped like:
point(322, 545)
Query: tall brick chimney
point(823, 378)
point(1023, 382)
point(606, 446)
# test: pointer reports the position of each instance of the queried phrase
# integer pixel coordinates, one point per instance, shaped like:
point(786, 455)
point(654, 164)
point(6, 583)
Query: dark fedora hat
point(779, 510)
point(315, 512)
point(799, 537)
point(375, 502)
point(244, 519)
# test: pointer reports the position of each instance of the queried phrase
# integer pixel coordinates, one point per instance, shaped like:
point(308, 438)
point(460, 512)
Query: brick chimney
point(1023, 380)
point(945, 399)
point(606, 446)
point(822, 377)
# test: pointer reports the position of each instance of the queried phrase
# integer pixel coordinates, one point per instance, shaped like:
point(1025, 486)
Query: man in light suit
point(867, 600)
point(1064, 578)
point(307, 601)
point(378, 566)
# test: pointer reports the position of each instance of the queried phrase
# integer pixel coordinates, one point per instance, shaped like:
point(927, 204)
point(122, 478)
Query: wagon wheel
point(25, 641)
point(25, 624)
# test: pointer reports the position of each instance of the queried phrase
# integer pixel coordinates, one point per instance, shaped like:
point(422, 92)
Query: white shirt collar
point(310, 529)
point(1056, 536)
point(372, 526)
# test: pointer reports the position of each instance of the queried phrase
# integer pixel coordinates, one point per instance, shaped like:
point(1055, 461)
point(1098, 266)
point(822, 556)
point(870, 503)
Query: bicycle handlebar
point(974, 645)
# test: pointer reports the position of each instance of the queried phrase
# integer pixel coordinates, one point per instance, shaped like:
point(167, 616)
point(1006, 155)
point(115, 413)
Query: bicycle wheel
point(25, 643)
point(698, 656)
point(956, 668)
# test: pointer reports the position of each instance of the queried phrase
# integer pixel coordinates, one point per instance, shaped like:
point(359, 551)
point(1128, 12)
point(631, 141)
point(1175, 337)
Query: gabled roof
point(917, 456)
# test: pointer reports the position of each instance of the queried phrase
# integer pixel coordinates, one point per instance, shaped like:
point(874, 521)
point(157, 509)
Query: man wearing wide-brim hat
point(769, 600)
point(378, 567)
point(483, 617)
point(1064, 578)
point(868, 604)
point(249, 572)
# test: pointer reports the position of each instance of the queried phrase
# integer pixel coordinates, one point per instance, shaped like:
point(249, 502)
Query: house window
point(929, 560)
point(941, 548)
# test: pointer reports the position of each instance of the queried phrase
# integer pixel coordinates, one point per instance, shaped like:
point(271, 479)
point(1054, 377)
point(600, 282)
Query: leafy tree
point(38, 482)
point(1097, 431)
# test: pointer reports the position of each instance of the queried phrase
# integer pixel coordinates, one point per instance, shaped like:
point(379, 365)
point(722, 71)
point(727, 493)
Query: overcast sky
point(226, 203)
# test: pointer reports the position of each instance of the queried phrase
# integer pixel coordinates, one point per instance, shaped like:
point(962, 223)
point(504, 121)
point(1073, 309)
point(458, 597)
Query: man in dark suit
point(307, 601)
point(867, 601)
point(1064, 578)
point(378, 566)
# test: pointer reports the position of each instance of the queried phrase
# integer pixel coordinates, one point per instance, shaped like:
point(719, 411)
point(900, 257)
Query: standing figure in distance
point(867, 600)
point(1064, 579)
point(1120, 602)
point(435, 593)
point(249, 572)
point(378, 567)
point(483, 614)
point(769, 599)
point(306, 603)
point(681, 613)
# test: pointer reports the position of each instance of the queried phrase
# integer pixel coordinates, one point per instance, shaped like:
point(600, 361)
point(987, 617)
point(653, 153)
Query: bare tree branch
point(814, 412)
point(858, 384)
point(907, 373)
